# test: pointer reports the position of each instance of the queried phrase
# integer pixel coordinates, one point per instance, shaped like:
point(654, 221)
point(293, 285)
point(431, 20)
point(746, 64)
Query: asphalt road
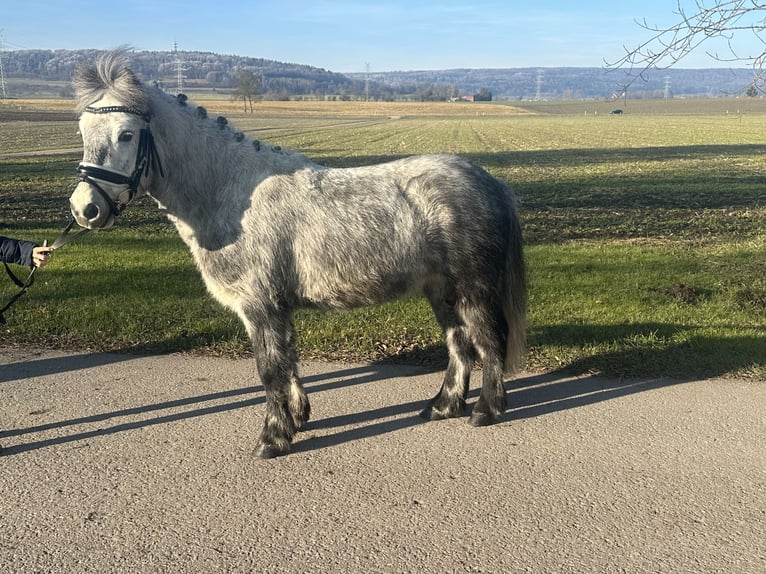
point(116, 463)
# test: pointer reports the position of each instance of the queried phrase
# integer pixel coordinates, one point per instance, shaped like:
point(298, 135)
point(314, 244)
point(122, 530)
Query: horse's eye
point(125, 136)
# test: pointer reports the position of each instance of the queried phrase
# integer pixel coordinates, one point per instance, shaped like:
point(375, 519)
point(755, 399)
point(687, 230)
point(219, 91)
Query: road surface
point(127, 464)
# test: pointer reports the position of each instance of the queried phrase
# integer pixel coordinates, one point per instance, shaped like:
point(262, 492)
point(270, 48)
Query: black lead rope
point(64, 236)
point(24, 286)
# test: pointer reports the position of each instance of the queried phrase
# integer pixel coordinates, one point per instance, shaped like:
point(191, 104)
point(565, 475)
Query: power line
point(539, 84)
point(179, 69)
point(367, 82)
point(14, 46)
point(3, 93)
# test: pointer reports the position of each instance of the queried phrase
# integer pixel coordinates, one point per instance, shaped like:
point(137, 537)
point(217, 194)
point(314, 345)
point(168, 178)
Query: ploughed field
point(645, 234)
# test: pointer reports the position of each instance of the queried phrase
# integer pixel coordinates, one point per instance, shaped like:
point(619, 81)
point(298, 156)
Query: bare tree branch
point(707, 19)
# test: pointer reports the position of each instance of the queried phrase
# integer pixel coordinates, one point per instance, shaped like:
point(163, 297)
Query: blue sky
point(348, 35)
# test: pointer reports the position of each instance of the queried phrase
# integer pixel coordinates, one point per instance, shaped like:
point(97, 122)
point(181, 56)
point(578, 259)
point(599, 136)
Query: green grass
point(645, 244)
point(669, 309)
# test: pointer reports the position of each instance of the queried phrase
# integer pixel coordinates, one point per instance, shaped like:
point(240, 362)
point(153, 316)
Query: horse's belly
point(348, 286)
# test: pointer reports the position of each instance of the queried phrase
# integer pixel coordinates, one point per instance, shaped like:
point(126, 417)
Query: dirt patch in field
point(36, 116)
point(682, 293)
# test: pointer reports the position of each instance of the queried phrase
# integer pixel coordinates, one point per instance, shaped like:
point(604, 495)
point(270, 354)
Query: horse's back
point(374, 233)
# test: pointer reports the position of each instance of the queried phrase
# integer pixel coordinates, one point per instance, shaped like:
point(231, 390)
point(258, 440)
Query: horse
point(271, 231)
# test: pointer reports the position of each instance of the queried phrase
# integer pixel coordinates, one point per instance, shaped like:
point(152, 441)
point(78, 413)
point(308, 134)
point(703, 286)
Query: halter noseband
point(146, 159)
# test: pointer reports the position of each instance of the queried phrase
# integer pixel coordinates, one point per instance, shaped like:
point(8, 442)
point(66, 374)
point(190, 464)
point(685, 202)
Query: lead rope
point(24, 286)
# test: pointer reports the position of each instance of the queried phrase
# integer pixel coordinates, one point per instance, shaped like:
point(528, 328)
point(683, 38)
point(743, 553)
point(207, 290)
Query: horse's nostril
point(91, 211)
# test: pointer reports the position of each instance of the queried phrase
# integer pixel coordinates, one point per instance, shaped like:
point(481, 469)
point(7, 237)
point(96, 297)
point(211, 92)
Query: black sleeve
point(16, 251)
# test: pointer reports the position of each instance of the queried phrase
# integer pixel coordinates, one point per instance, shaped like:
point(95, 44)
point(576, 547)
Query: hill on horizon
point(569, 83)
point(280, 80)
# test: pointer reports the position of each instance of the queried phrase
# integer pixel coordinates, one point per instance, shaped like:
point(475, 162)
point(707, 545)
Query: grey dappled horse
point(272, 231)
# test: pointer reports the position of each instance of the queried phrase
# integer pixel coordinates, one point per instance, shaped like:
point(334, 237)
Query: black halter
point(146, 159)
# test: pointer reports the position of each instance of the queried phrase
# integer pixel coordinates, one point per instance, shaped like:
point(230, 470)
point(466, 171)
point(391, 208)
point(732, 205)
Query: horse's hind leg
point(450, 400)
point(287, 406)
point(489, 332)
point(298, 402)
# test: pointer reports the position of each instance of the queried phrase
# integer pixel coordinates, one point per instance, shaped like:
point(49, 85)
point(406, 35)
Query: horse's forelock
point(109, 75)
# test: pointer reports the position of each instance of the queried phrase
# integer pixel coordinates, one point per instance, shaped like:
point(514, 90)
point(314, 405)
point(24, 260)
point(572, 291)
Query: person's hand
point(40, 256)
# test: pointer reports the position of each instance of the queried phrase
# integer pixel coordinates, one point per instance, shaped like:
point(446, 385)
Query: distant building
point(484, 95)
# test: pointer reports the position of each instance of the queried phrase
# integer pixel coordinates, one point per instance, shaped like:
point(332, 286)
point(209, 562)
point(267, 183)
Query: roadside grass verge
point(667, 309)
point(608, 307)
point(645, 246)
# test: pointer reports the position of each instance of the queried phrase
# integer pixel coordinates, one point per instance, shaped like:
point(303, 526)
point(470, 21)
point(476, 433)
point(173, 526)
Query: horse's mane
point(109, 75)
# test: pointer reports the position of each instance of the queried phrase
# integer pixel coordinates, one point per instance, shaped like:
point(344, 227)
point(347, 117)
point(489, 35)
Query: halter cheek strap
point(146, 159)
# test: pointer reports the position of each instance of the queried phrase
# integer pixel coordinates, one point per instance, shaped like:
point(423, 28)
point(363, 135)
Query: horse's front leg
point(287, 406)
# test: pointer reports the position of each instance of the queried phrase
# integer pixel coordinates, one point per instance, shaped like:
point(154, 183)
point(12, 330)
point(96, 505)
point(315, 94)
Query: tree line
point(226, 73)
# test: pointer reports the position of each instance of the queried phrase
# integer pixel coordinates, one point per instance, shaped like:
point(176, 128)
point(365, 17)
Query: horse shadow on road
point(530, 396)
point(42, 365)
point(121, 421)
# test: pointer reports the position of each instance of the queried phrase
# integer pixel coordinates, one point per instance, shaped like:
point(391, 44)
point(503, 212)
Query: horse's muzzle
point(89, 209)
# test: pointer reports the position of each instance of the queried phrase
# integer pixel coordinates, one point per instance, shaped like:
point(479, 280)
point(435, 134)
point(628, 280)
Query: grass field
point(645, 232)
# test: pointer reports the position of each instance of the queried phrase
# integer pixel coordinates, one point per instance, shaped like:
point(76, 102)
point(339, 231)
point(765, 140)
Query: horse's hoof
point(430, 414)
point(266, 451)
point(481, 419)
point(433, 412)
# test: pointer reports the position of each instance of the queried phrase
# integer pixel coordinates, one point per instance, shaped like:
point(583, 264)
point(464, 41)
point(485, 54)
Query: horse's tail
point(515, 302)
